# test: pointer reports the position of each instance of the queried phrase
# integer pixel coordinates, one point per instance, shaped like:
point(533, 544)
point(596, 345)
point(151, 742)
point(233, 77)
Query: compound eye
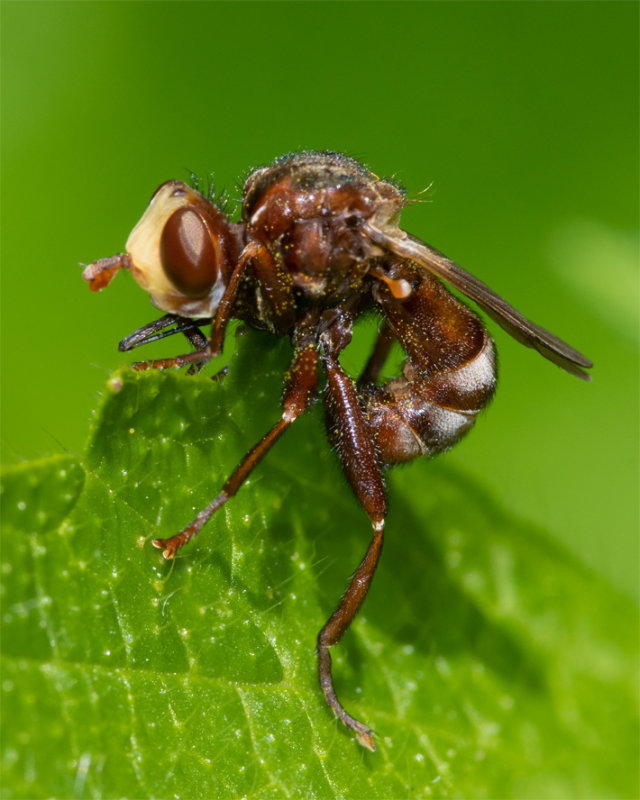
point(187, 253)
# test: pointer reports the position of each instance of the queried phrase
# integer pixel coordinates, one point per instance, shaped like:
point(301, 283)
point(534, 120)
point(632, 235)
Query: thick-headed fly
point(318, 245)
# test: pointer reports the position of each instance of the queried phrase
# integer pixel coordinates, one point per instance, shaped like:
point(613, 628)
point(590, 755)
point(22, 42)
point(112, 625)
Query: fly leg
point(220, 321)
point(349, 431)
point(169, 325)
point(278, 300)
point(299, 393)
point(381, 350)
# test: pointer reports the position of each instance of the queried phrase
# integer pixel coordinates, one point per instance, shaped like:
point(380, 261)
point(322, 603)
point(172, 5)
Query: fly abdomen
point(423, 415)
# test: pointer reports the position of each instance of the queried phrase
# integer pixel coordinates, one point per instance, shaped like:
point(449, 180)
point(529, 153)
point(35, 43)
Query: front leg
point(299, 393)
point(166, 326)
point(220, 321)
point(276, 297)
point(349, 431)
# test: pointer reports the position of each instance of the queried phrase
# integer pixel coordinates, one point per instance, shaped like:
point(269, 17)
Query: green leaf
point(489, 662)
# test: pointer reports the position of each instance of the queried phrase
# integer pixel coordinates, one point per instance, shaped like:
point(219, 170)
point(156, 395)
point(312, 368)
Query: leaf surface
point(487, 660)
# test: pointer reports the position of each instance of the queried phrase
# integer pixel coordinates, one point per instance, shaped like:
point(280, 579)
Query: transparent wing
point(522, 329)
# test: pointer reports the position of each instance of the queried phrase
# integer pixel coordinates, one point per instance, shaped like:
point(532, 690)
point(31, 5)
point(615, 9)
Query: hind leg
point(348, 429)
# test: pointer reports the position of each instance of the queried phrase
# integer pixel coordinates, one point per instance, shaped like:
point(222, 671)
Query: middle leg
point(299, 394)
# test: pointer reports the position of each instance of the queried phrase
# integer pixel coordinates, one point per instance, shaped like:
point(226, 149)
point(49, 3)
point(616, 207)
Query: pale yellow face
point(143, 247)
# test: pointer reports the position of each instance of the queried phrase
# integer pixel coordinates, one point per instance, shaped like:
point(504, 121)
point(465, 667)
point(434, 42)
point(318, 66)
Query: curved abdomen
point(448, 378)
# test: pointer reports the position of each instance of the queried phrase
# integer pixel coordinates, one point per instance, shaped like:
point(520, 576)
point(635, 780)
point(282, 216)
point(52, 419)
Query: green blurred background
point(524, 116)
